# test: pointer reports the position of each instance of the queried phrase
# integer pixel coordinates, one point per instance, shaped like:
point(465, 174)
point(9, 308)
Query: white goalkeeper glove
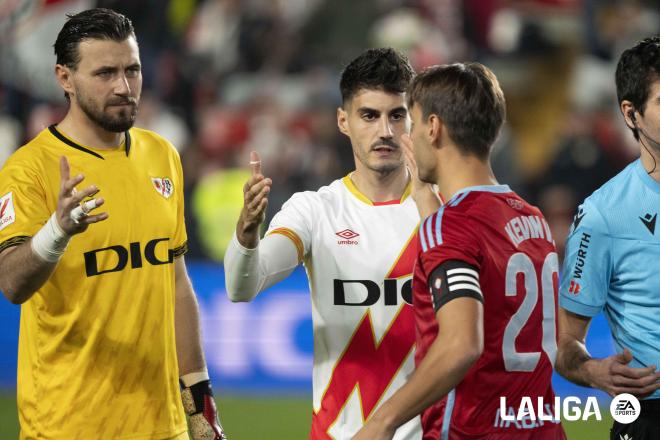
point(198, 403)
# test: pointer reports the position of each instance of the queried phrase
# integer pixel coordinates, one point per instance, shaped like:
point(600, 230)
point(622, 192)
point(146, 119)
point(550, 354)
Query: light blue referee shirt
point(612, 263)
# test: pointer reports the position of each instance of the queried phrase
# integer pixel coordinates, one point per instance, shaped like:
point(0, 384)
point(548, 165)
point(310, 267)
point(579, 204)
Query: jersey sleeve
point(23, 203)
point(180, 235)
point(587, 267)
point(295, 221)
point(450, 256)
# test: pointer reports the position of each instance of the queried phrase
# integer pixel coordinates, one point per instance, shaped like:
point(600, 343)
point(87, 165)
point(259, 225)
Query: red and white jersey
point(510, 246)
point(359, 258)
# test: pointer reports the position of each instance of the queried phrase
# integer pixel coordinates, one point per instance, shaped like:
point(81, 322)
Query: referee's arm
point(611, 374)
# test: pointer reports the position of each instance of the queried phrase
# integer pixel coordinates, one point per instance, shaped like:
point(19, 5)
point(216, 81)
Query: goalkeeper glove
point(202, 416)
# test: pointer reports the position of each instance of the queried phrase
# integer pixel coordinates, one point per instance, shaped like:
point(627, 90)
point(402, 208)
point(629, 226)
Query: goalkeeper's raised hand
point(198, 403)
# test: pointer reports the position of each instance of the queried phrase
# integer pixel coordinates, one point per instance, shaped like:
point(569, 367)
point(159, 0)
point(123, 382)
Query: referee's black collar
point(69, 142)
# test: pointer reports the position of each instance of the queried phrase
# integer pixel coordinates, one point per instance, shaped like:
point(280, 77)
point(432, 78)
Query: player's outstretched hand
point(255, 202)
point(614, 376)
point(74, 207)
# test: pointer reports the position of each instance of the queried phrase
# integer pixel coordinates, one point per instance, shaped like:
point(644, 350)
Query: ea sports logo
point(625, 408)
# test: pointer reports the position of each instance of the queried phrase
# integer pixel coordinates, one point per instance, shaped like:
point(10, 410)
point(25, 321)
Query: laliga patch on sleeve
point(7, 214)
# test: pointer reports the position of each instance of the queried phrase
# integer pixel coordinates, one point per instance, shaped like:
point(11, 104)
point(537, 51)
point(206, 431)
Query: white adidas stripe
point(466, 287)
point(459, 278)
point(463, 270)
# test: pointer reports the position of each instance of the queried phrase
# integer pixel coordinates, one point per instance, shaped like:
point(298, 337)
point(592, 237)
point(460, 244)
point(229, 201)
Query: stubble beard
point(115, 124)
point(381, 168)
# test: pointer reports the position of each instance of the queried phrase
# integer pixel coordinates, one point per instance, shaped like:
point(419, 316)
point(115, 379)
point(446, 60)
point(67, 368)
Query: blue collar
point(460, 195)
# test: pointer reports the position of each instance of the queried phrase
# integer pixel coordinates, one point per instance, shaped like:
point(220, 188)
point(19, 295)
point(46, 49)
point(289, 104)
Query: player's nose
point(385, 128)
point(122, 86)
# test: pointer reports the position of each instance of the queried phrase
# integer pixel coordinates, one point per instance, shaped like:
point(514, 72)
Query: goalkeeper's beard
point(125, 108)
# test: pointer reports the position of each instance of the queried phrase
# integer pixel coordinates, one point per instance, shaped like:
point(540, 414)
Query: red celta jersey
point(510, 246)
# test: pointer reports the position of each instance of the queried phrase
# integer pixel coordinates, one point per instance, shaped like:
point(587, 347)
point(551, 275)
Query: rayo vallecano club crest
point(163, 185)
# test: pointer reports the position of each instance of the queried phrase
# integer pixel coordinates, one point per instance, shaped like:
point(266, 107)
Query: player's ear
point(435, 128)
point(63, 76)
point(628, 110)
point(342, 120)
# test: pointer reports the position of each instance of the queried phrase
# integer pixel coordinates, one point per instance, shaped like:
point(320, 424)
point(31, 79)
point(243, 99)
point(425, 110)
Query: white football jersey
point(359, 258)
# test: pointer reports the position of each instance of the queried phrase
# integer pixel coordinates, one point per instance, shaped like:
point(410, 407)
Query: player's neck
point(82, 130)
point(381, 187)
point(651, 163)
point(455, 175)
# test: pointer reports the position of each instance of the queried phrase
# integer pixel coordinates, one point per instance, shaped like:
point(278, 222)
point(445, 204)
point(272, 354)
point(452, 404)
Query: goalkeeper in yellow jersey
point(92, 238)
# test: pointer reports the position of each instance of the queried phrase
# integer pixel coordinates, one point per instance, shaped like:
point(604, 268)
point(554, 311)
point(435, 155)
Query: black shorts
point(646, 427)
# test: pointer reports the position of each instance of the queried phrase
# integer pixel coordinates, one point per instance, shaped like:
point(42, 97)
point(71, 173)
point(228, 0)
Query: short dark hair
point(637, 69)
point(97, 23)
point(377, 69)
point(467, 98)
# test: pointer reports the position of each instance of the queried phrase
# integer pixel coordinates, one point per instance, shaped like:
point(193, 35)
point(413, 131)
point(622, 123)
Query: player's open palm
point(74, 207)
point(424, 194)
point(255, 202)
point(614, 376)
point(417, 184)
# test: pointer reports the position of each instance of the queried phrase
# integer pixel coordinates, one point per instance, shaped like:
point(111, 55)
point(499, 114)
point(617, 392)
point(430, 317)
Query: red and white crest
point(163, 185)
point(7, 214)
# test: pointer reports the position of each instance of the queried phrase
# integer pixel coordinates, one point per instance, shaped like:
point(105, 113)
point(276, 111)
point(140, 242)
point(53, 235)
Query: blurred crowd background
point(224, 77)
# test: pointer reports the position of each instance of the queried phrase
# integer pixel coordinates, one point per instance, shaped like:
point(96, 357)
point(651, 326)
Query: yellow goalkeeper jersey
point(97, 353)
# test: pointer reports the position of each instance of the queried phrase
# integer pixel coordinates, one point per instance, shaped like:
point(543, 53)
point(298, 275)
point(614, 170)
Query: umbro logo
point(649, 222)
point(348, 236)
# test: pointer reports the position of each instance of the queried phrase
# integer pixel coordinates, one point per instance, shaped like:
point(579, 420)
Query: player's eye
point(369, 116)
point(133, 71)
point(104, 74)
point(399, 116)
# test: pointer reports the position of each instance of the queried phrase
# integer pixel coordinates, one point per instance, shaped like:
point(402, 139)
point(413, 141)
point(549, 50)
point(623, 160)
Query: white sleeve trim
point(249, 271)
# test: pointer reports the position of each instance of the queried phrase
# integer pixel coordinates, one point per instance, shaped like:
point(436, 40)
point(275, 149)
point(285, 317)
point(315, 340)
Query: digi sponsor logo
point(527, 416)
point(581, 255)
point(7, 214)
point(574, 288)
point(347, 236)
point(368, 292)
point(625, 408)
point(116, 258)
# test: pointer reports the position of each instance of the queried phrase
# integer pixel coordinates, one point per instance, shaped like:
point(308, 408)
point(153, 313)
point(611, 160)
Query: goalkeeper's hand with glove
point(198, 403)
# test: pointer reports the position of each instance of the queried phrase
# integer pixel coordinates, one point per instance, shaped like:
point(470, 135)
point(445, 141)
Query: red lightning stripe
point(4, 207)
point(366, 364)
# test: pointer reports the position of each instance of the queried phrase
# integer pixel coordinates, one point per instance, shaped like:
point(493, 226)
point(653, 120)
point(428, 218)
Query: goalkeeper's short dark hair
point(97, 23)
point(376, 69)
